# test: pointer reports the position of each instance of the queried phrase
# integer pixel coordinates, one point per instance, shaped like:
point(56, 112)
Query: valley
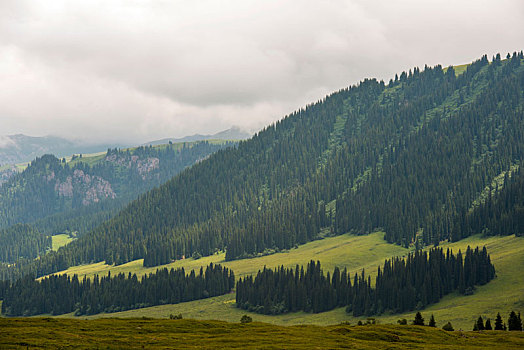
point(355, 253)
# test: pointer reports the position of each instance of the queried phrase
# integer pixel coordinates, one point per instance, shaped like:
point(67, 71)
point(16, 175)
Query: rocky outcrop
point(92, 189)
point(142, 166)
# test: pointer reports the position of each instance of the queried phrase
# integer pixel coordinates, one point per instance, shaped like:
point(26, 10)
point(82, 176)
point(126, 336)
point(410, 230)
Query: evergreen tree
point(419, 320)
point(514, 322)
point(432, 322)
point(499, 325)
point(480, 324)
point(448, 327)
point(488, 326)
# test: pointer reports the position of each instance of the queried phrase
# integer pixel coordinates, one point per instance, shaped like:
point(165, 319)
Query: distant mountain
point(234, 133)
point(21, 148)
point(52, 194)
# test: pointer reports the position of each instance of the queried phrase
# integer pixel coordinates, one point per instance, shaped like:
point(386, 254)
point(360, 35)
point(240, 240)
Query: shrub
point(246, 319)
point(448, 327)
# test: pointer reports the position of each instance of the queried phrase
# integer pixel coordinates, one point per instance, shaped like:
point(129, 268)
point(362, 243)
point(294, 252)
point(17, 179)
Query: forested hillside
point(56, 196)
point(411, 157)
point(50, 186)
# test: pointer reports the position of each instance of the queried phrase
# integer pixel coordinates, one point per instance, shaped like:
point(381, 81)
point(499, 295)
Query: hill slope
point(410, 157)
point(354, 253)
point(56, 196)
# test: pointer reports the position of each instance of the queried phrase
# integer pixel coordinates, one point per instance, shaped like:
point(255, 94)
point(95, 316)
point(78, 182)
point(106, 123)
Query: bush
point(246, 319)
point(402, 322)
point(448, 327)
point(175, 317)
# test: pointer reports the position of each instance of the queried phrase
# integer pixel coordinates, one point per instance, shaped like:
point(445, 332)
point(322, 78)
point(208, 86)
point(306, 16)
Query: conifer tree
point(499, 325)
point(480, 324)
point(432, 322)
point(514, 322)
point(488, 326)
point(419, 320)
point(448, 327)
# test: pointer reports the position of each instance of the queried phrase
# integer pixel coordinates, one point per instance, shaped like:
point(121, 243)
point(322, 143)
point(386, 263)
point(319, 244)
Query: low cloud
point(135, 71)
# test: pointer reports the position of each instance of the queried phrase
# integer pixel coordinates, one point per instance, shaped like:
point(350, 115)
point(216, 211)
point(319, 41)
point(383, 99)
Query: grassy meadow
point(192, 334)
point(354, 253)
point(60, 240)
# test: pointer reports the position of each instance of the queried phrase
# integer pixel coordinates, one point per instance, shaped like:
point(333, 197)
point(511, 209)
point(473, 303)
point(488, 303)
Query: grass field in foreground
point(192, 334)
point(503, 294)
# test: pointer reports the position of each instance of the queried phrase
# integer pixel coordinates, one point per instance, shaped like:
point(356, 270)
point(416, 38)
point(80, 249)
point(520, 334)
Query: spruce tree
point(488, 325)
point(419, 320)
point(514, 322)
point(480, 324)
point(432, 322)
point(499, 325)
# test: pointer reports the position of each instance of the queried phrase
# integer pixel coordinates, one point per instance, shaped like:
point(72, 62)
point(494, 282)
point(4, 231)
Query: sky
point(133, 71)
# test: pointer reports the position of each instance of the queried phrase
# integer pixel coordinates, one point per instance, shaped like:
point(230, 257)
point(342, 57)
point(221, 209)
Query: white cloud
point(138, 70)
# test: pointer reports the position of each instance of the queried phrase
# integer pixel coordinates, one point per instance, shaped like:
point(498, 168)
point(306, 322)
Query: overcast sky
point(135, 71)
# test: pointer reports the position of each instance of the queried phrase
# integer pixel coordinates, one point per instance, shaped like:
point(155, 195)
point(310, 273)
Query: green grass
point(191, 334)
point(503, 294)
point(350, 251)
point(61, 240)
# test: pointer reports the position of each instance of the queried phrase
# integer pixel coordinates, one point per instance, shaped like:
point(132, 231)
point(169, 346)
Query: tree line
point(402, 284)
point(59, 294)
point(514, 323)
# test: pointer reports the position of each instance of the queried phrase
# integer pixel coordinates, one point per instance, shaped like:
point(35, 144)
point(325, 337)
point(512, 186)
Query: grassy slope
point(503, 294)
point(353, 252)
point(191, 334)
point(60, 240)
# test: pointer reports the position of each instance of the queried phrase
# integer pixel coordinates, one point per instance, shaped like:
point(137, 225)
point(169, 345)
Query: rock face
point(142, 166)
point(91, 189)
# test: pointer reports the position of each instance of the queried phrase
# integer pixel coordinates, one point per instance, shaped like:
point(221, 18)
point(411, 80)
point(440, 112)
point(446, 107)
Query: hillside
point(190, 334)
point(75, 195)
point(354, 253)
point(410, 157)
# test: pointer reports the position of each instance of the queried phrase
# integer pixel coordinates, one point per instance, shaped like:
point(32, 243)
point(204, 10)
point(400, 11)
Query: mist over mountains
point(21, 148)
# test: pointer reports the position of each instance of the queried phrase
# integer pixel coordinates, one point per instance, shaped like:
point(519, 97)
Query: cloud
point(137, 70)
point(5, 142)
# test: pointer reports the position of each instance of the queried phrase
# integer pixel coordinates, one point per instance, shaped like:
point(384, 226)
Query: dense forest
point(502, 213)
point(421, 279)
point(60, 294)
point(22, 241)
point(50, 189)
point(411, 157)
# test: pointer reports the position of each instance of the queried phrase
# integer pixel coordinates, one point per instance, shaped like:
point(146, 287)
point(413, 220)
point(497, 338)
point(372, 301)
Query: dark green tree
point(419, 320)
point(432, 322)
point(514, 322)
point(488, 326)
point(448, 327)
point(499, 324)
point(480, 324)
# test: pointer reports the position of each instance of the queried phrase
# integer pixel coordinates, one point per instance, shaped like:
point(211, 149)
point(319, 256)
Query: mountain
point(56, 196)
point(234, 133)
point(411, 157)
point(20, 148)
